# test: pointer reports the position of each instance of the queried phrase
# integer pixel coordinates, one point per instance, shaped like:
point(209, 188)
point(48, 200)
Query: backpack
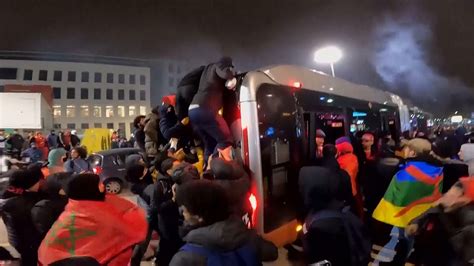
point(186, 90)
point(243, 256)
point(358, 238)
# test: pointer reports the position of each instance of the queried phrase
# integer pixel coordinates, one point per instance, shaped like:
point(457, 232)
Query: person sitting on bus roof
point(204, 109)
point(320, 136)
point(212, 235)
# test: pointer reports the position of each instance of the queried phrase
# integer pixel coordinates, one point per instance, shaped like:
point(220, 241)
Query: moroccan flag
point(412, 191)
point(105, 231)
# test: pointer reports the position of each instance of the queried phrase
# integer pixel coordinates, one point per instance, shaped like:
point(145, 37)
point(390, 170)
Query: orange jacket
point(104, 230)
point(348, 161)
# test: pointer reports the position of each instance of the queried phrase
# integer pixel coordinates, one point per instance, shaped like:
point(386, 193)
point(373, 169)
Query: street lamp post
point(328, 55)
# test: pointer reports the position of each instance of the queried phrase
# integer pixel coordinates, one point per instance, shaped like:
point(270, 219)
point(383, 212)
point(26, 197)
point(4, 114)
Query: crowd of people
point(366, 198)
point(395, 200)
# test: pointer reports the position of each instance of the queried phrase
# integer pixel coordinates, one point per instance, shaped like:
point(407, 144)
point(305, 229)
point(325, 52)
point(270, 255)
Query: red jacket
point(104, 230)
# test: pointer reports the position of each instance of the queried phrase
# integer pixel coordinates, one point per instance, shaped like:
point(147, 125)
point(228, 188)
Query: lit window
point(121, 111)
point(109, 111)
point(97, 111)
point(84, 111)
point(56, 111)
point(142, 110)
point(132, 111)
point(70, 111)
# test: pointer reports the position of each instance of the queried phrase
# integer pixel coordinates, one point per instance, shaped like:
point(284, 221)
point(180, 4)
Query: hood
point(344, 147)
point(225, 235)
point(318, 186)
point(168, 115)
point(467, 151)
point(151, 116)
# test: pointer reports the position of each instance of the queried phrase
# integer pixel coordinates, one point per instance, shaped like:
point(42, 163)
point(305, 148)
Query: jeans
point(211, 128)
point(397, 250)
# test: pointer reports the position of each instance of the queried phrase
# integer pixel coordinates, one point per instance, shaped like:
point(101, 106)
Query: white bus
point(281, 108)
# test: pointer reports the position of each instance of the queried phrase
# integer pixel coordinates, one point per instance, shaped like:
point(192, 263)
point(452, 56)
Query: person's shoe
point(227, 153)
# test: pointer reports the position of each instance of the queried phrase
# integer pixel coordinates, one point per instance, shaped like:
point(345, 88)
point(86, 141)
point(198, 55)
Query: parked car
point(110, 166)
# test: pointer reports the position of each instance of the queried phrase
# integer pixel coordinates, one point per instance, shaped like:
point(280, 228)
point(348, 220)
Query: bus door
point(281, 134)
point(331, 122)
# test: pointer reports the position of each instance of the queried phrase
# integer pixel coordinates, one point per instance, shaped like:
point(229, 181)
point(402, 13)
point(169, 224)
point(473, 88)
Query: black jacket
point(140, 138)
point(46, 212)
point(169, 221)
point(457, 226)
point(22, 234)
point(211, 90)
point(169, 126)
point(186, 90)
point(452, 171)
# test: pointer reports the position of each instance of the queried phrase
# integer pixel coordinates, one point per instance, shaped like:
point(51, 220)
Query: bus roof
point(289, 75)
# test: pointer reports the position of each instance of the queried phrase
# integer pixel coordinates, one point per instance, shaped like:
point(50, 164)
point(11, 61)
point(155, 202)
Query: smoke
point(402, 60)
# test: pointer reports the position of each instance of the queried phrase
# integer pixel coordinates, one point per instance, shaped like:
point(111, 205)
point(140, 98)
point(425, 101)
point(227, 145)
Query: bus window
point(280, 143)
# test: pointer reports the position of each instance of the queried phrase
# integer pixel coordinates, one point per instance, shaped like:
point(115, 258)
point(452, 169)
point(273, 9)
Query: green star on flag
point(68, 241)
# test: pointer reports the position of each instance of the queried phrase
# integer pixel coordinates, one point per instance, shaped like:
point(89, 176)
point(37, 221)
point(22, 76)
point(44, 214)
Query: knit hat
point(320, 134)
point(55, 155)
point(23, 179)
point(342, 140)
point(85, 187)
point(467, 151)
point(185, 172)
point(420, 146)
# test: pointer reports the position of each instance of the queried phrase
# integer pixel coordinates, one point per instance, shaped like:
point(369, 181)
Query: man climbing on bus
point(204, 114)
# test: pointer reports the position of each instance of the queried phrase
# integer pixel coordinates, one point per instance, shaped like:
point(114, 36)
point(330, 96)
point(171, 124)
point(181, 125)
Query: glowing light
point(330, 100)
point(383, 110)
point(331, 89)
point(358, 114)
point(297, 84)
point(269, 95)
point(456, 119)
point(328, 55)
point(253, 201)
point(322, 98)
point(299, 228)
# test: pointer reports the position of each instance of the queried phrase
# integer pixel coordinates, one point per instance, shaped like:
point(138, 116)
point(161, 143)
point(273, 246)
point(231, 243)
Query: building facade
point(165, 76)
point(94, 93)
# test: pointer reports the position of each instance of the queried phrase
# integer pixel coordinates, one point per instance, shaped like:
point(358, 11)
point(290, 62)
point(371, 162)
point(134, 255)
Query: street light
point(328, 55)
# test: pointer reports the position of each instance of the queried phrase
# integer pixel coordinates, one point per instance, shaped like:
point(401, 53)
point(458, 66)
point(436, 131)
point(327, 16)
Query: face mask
point(231, 83)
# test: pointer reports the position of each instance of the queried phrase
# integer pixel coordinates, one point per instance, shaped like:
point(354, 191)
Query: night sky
point(420, 49)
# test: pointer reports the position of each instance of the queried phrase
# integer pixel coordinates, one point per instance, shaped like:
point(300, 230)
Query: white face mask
point(231, 83)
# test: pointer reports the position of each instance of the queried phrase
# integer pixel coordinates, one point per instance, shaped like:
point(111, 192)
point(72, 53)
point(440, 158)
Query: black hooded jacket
point(169, 126)
point(212, 86)
point(22, 234)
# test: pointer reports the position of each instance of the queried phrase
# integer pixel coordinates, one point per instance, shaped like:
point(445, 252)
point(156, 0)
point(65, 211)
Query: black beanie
point(85, 187)
point(23, 179)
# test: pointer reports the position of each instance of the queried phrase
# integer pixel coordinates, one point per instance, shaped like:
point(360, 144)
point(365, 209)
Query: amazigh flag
point(411, 192)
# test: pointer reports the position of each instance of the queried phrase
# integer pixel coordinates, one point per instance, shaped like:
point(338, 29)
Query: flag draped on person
point(104, 230)
point(411, 192)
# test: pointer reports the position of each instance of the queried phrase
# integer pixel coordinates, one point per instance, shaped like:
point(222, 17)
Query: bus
point(281, 107)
